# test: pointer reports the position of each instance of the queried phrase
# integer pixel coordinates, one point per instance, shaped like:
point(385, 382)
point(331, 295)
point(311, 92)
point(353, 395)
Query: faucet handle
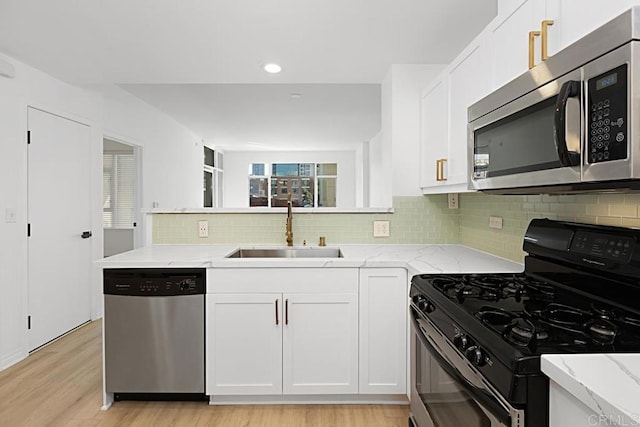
point(323, 241)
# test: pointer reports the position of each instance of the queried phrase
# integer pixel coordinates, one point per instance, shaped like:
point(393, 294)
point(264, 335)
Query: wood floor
point(61, 385)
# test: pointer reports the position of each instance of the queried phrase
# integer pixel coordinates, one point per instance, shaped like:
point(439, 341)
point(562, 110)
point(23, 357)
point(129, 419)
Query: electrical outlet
point(380, 228)
point(203, 228)
point(453, 200)
point(495, 222)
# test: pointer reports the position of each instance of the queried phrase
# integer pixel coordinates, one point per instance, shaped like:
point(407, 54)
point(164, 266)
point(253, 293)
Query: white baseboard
point(326, 399)
point(12, 359)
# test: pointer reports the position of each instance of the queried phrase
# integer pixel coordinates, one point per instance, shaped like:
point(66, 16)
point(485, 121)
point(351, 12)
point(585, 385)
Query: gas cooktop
point(536, 316)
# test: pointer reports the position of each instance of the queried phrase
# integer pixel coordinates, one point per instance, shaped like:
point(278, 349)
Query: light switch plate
point(495, 222)
point(203, 228)
point(380, 228)
point(10, 215)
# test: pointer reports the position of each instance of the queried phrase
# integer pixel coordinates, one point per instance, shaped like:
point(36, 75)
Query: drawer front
point(280, 280)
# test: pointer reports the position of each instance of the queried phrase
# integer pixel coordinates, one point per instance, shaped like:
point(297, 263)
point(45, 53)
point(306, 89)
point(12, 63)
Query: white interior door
point(59, 212)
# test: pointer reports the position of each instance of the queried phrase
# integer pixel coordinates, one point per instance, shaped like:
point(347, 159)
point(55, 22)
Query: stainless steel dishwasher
point(154, 333)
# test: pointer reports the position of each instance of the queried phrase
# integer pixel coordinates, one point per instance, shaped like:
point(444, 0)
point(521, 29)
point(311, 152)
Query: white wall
point(169, 175)
point(379, 178)
point(236, 169)
point(401, 128)
point(362, 175)
point(172, 155)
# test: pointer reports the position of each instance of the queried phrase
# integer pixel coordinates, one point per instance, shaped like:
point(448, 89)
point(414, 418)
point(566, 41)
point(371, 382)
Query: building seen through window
point(310, 184)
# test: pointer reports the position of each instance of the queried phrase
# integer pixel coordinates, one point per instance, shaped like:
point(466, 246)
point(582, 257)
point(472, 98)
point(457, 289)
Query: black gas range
point(478, 338)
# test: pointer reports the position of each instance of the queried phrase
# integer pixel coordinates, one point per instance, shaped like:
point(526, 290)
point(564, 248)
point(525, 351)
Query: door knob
point(86, 234)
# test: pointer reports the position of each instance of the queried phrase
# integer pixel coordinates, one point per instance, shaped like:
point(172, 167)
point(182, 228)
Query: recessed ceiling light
point(296, 95)
point(272, 68)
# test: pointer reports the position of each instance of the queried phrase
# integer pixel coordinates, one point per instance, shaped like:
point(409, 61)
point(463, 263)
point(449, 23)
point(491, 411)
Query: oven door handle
point(485, 399)
point(569, 89)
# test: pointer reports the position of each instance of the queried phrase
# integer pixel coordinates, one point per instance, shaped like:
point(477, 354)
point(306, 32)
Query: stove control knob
point(423, 304)
point(426, 306)
point(476, 355)
point(460, 341)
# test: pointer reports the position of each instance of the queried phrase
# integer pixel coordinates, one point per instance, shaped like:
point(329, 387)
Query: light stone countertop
point(609, 384)
point(418, 259)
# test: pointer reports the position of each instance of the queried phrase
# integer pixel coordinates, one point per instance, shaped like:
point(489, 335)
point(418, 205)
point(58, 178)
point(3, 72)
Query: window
point(213, 178)
point(310, 184)
point(118, 190)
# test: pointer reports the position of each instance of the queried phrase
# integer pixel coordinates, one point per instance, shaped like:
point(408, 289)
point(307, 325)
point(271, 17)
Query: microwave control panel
point(607, 116)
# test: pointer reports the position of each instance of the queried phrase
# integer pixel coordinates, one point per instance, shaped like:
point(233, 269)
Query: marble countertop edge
point(416, 258)
point(608, 384)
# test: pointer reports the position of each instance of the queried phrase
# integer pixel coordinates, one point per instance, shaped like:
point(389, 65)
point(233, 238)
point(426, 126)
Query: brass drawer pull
point(277, 321)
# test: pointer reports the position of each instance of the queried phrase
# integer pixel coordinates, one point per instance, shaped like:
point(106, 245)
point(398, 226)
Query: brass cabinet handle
point(440, 170)
point(532, 36)
point(544, 39)
point(277, 321)
point(286, 311)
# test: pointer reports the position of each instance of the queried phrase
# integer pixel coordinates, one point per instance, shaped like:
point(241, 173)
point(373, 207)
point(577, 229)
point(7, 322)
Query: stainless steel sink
point(287, 253)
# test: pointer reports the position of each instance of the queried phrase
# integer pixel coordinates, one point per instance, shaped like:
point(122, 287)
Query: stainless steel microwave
point(571, 124)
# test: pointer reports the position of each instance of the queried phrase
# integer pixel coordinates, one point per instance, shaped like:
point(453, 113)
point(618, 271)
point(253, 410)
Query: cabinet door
point(320, 344)
point(509, 34)
point(383, 330)
point(244, 344)
point(433, 131)
point(573, 19)
point(469, 80)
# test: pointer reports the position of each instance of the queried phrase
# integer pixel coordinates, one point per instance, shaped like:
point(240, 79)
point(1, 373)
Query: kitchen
point(416, 219)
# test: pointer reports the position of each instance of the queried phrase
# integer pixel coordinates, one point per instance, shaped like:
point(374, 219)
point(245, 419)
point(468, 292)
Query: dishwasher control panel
point(154, 282)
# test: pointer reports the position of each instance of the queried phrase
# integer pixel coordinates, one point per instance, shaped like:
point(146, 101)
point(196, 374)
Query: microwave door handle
point(570, 89)
point(482, 397)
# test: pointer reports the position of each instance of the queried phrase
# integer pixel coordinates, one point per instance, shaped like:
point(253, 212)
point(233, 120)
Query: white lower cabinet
point(383, 330)
point(320, 344)
point(282, 331)
point(244, 344)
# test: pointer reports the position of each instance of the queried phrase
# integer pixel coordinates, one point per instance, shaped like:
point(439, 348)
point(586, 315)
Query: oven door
point(534, 140)
point(446, 391)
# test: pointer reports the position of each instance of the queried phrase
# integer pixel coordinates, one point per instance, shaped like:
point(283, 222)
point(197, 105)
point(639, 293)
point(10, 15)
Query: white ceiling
point(265, 116)
point(179, 42)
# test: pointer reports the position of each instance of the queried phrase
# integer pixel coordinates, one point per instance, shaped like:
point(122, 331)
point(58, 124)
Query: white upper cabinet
point(444, 106)
point(469, 81)
point(573, 19)
point(564, 21)
point(509, 34)
point(434, 132)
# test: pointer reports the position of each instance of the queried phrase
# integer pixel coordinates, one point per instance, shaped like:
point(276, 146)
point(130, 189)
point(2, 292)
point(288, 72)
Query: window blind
point(118, 191)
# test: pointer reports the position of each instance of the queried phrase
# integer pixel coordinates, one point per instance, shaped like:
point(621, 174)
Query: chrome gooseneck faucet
point(289, 221)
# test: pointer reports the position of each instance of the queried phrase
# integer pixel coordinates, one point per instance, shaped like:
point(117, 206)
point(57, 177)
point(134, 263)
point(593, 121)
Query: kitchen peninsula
point(363, 294)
